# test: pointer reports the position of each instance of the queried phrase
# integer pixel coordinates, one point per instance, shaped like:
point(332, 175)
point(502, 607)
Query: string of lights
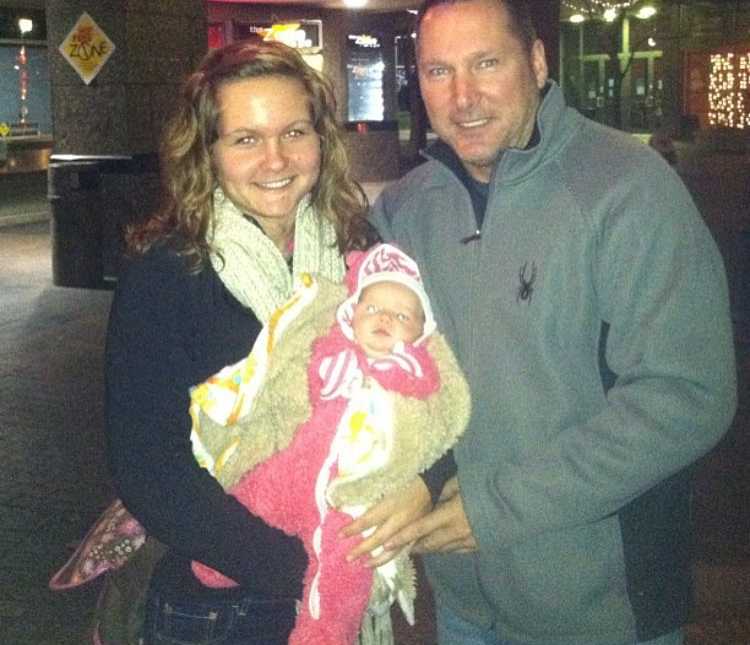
point(598, 6)
point(729, 90)
point(582, 10)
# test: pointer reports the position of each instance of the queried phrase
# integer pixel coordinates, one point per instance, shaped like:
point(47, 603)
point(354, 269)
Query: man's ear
point(539, 63)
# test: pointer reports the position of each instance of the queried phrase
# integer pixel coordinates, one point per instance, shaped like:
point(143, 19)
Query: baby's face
point(387, 312)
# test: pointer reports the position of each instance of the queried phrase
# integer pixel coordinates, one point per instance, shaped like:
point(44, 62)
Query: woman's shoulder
point(160, 262)
point(159, 257)
point(161, 274)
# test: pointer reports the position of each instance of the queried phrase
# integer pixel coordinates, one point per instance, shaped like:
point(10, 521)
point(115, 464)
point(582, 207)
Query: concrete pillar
point(122, 110)
point(110, 127)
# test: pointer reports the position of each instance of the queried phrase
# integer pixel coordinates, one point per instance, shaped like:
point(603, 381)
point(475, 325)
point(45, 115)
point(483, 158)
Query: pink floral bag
point(108, 545)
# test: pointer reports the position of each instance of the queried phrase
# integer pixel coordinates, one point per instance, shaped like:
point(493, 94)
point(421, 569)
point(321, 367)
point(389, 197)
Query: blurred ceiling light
point(610, 14)
point(25, 25)
point(577, 18)
point(652, 42)
point(646, 12)
point(355, 4)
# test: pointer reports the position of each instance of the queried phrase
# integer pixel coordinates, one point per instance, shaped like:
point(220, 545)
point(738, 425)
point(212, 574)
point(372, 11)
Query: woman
point(255, 191)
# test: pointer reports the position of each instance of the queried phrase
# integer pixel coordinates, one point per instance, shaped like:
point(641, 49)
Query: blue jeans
point(218, 622)
point(453, 630)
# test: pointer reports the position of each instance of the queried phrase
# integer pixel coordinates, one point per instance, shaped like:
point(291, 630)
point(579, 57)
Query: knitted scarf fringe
point(376, 629)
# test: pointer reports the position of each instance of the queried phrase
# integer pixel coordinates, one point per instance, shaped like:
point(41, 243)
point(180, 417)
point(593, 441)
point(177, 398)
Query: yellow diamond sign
point(87, 48)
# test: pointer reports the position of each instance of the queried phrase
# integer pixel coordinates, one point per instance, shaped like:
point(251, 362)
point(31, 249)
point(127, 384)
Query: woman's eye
point(300, 132)
point(246, 141)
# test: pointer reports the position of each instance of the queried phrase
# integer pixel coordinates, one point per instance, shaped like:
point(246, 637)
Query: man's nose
point(464, 90)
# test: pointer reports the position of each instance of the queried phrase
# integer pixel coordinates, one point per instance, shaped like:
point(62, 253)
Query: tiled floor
point(53, 480)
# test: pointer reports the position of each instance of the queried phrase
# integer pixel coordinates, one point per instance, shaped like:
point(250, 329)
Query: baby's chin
point(377, 353)
point(381, 351)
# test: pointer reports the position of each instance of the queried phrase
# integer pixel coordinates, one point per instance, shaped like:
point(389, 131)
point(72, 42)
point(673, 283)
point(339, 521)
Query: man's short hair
point(519, 16)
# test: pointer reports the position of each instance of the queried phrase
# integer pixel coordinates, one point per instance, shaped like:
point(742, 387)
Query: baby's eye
point(402, 317)
point(371, 309)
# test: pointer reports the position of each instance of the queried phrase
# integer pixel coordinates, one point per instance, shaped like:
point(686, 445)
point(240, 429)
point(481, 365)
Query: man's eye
point(488, 63)
point(437, 71)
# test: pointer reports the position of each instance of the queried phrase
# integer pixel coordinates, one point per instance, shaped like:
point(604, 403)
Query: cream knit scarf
point(253, 268)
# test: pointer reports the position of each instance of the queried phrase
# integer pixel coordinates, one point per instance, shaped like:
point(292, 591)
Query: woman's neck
point(281, 233)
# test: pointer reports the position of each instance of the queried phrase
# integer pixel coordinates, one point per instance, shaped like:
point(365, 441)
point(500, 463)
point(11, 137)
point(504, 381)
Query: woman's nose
point(275, 156)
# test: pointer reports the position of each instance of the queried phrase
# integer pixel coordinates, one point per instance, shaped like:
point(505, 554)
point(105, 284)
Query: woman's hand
point(388, 518)
point(445, 530)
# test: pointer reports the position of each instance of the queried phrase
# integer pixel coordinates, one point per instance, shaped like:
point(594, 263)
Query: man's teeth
point(280, 183)
point(473, 124)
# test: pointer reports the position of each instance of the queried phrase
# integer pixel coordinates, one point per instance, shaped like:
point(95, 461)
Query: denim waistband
point(247, 621)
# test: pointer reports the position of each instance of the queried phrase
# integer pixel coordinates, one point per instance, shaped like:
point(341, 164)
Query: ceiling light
point(355, 4)
point(610, 14)
point(25, 25)
point(577, 18)
point(646, 12)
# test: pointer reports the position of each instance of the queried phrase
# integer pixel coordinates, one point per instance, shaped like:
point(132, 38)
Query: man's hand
point(388, 518)
point(445, 530)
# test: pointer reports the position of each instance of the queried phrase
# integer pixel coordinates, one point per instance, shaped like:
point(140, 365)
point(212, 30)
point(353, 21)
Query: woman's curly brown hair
point(185, 214)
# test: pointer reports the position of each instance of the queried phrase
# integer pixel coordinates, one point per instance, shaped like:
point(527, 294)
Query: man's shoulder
point(615, 148)
point(412, 185)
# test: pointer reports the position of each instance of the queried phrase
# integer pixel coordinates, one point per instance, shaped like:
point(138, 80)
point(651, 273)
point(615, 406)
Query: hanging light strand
point(597, 7)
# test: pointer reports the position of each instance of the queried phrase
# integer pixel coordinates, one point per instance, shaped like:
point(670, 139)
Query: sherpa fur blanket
point(272, 458)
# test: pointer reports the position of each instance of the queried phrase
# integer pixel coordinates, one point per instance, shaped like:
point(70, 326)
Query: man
point(587, 303)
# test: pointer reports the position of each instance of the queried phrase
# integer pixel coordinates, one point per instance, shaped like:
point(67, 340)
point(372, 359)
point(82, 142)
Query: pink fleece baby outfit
point(347, 436)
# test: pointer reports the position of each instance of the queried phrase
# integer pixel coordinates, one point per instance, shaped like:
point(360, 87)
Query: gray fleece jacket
point(592, 320)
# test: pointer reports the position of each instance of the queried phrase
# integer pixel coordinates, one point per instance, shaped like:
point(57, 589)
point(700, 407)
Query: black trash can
point(93, 198)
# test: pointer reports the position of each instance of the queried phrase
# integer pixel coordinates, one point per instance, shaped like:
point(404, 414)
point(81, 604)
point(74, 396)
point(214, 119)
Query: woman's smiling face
point(267, 156)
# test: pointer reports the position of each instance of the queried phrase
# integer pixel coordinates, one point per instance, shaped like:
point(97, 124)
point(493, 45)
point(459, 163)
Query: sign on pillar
point(87, 48)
